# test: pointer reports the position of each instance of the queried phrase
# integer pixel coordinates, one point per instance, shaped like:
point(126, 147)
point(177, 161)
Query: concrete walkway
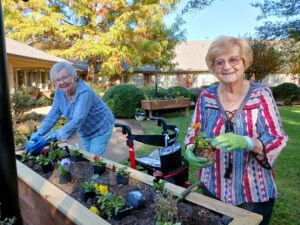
point(117, 149)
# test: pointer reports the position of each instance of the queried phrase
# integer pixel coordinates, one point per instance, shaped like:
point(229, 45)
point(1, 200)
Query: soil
point(189, 214)
point(206, 152)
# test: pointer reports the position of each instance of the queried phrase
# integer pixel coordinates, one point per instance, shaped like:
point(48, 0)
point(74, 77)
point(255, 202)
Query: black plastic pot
point(47, 168)
point(122, 179)
point(85, 195)
point(123, 212)
point(64, 179)
point(99, 169)
point(76, 158)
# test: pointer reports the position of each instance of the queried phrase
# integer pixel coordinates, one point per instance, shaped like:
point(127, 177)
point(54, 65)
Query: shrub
point(149, 92)
point(286, 92)
point(123, 100)
point(43, 101)
point(179, 92)
point(22, 101)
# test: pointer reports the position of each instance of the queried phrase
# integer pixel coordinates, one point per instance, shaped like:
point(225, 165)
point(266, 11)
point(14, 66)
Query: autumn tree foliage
point(266, 60)
point(109, 33)
point(285, 27)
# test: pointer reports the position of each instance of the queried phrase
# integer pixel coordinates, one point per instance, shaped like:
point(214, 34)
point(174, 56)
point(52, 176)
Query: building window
point(138, 79)
point(125, 79)
point(172, 81)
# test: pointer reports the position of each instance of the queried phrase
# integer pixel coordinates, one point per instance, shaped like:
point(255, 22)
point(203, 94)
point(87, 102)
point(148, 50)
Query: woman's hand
point(232, 142)
point(197, 161)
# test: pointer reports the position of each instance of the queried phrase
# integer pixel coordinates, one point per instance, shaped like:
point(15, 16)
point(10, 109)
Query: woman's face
point(64, 80)
point(229, 66)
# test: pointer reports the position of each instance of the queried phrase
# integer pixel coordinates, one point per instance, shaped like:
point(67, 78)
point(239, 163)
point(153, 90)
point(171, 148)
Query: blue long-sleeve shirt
point(86, 113)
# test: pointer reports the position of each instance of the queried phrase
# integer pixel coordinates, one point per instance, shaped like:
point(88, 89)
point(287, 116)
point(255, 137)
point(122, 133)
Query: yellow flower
point(103, 189)
point(196, 125)
point(94, 210)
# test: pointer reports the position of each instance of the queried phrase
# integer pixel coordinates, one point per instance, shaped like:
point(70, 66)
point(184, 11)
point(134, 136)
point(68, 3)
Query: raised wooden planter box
point(152, 105)
point(44, 203)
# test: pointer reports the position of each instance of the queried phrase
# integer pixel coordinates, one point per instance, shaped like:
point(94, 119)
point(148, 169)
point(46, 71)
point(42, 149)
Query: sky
point(222, 17)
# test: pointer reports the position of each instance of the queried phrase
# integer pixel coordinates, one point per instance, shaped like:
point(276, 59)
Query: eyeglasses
point(63, 79)
point(232, 61)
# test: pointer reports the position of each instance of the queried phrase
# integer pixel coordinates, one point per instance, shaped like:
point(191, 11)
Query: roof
point(190, 55)
point(21, 50)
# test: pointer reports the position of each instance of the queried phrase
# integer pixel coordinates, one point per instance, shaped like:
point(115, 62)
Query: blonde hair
point(225, 43)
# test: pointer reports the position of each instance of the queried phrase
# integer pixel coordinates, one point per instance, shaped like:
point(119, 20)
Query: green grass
point(287, 169)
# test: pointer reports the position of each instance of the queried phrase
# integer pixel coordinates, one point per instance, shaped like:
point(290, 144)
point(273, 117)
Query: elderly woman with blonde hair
point(243, 122)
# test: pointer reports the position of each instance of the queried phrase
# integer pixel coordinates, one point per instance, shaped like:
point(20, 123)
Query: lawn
point(287, 170)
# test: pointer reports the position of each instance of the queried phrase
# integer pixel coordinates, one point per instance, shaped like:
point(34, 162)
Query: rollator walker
point(166, 160)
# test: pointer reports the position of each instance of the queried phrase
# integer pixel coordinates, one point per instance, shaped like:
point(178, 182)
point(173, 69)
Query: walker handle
point(125, 129)
point(160, 122)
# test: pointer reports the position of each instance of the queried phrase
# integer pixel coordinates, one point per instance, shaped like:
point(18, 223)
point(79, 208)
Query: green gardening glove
point(232, 142)
point(197, 161)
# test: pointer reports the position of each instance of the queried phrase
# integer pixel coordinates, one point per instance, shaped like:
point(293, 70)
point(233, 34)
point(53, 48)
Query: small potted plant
point(75, 154)
point(119, 207)
point(28, 158)
point(122, 175)
point(158, 187)
point(98, 165)
point(64, 171)
point(112, 206)
point(139, 114)
point(203, 147)
point(88, 189)
point(45, 162)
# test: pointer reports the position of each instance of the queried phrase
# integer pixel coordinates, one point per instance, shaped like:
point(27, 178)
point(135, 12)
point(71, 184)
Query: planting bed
point(190, 212)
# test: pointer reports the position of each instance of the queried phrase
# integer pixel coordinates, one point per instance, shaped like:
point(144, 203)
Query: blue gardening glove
point(232, 142)
point(50, 136)
point(33, 135)
point(195, 160)
point(35, 145)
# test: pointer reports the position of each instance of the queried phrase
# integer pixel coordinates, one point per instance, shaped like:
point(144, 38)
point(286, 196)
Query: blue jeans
point(98, 144)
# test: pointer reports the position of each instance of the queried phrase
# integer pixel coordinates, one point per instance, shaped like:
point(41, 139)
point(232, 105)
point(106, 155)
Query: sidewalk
point(117, 149)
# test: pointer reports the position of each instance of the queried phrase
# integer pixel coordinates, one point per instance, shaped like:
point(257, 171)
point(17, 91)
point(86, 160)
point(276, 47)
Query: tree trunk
point(91, 69)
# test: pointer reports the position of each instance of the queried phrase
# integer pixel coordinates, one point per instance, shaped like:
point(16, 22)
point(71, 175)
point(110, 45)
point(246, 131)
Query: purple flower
point(65, 163)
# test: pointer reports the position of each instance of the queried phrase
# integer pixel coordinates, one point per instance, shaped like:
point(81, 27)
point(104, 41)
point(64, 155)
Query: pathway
point(117, 149)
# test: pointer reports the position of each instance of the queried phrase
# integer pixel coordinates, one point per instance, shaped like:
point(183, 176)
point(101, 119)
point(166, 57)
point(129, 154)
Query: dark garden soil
point(189, 214)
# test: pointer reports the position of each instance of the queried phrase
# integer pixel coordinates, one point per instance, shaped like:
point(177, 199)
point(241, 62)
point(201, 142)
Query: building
point(190, 69)
point(28, 66)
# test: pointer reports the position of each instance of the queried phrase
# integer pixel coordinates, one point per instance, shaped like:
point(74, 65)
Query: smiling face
point(228, 66)
point(65, 81)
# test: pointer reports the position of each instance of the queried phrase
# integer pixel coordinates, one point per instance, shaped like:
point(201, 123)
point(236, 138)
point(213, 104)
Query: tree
point(195, 5)
point(266, 60)
point(106, 32)
point(286, 28)
point(287, 24)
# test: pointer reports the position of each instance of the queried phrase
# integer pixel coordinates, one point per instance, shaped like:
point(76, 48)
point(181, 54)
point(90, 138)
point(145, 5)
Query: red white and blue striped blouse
point(257, 117)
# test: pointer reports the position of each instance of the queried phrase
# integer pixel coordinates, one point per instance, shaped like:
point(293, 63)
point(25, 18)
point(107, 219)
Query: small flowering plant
point(64, 166)
point(98, 161)
point(101, 189)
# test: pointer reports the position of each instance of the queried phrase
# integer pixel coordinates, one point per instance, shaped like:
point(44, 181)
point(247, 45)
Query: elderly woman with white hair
point(85, 112)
